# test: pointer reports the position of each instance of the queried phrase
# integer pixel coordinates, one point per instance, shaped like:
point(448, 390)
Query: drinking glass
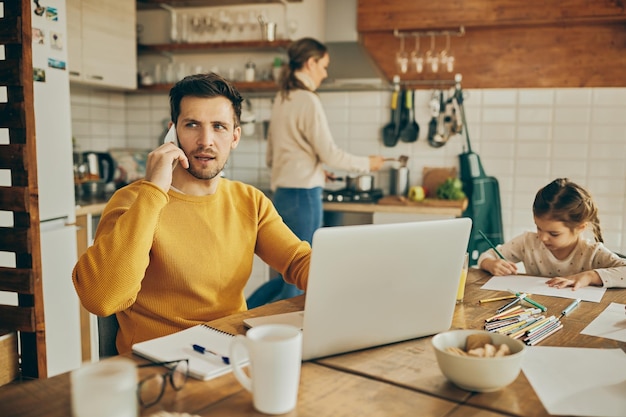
point(402, 58)
point(105, 389)
point(432, 58)
point(416, 57)
point(461, 291)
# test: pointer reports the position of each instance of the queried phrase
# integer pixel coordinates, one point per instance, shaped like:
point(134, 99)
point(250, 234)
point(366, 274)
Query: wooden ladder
point(17, 122)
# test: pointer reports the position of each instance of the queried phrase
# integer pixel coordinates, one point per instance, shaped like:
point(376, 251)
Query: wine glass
point(416, 57)
point(445, 57)
point(432, 59)
point(402, 58)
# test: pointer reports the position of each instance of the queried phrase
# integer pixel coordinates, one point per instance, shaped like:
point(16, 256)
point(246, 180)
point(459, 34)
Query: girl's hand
point(499, 267)
point(576, 281)
point(161, 162)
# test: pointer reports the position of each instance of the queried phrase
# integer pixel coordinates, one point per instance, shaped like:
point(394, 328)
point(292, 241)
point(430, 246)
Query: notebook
point(371, 285)
point(210, 364)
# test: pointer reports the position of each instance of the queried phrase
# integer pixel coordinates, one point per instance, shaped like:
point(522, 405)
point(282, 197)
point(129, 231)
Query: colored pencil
point(491, 244)
point(488, 300)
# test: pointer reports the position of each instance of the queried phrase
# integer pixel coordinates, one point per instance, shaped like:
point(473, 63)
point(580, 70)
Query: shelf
point(194, 47)
point(243, 87)
point(155, 4)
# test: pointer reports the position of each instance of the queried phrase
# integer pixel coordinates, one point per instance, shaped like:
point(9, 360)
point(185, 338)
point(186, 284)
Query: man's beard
point(204, 174)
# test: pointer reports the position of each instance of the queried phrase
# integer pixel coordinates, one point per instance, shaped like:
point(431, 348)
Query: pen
point(509, 305)
point(488, 300)
point(529, 301)
point(491, 244)
point(570, 307)
point(496, 316)
point(203, 350)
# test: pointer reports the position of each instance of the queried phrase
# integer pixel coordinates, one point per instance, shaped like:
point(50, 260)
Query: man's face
point(206, 133)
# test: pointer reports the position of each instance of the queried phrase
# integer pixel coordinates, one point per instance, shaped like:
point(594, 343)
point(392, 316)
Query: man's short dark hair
point(204, 85)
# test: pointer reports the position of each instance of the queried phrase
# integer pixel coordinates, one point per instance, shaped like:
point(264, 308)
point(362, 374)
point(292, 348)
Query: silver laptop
point(371, 285)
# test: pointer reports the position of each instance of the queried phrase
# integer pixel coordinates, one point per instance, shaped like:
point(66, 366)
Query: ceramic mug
point(275, 352)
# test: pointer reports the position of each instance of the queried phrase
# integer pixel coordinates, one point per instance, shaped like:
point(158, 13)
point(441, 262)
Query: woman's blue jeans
point(301, 210)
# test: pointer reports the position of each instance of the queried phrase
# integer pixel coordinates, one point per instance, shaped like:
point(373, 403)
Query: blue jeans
point(301, 210)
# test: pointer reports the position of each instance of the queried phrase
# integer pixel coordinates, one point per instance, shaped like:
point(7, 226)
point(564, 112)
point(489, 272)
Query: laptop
point(375, 284)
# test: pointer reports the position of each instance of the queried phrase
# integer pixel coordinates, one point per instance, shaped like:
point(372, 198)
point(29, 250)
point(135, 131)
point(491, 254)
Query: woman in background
point(562, 211)
point(299, 147)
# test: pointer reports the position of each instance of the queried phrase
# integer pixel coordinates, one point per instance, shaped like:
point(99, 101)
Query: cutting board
point(395, 200)
point(433, 177)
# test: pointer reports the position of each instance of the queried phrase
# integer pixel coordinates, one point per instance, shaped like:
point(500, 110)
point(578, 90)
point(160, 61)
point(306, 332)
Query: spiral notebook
point(210, 364)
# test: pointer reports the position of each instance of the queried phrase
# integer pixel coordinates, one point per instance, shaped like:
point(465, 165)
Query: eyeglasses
point(150, 390)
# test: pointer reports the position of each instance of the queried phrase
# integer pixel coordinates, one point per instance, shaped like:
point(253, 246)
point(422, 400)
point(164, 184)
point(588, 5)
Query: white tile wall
point(525, 138)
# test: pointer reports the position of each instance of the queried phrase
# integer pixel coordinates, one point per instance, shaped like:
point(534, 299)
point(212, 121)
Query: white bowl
point(474, 373)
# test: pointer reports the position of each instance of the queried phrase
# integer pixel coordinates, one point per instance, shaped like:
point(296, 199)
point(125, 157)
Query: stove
point(350, 196)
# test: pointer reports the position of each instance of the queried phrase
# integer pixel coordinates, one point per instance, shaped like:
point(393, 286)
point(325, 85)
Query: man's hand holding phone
point(162, 161)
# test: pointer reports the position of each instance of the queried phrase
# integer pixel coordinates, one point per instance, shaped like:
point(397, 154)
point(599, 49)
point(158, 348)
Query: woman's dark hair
point(299, 53)
point(204, 85)
point(567, 202)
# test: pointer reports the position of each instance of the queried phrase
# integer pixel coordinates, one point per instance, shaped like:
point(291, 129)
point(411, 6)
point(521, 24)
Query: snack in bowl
point(491, 371)
point(479, 345)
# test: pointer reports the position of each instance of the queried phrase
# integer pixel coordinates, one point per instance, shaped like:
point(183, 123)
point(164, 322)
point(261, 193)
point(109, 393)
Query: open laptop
point(371, 285)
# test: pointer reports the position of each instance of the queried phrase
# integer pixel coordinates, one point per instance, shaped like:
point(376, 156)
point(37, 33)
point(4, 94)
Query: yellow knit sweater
point(166, 262)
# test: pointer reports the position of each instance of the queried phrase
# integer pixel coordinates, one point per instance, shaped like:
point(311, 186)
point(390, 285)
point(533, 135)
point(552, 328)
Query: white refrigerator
point(57, 208)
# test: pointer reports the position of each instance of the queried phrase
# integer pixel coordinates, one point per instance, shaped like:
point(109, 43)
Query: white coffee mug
point(275, 352)
point(105, 389)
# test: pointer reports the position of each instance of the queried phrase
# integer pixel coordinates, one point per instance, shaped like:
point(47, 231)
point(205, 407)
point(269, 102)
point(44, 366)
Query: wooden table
point(400, 379)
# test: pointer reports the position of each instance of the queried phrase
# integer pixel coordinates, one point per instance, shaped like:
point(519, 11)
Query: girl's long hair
point(565, 201)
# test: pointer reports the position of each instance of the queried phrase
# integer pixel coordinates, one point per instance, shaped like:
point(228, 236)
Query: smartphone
point(170, 136)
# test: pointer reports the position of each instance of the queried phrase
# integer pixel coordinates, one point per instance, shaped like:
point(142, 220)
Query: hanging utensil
point(402, 160)
point(390, 130)
point(434, 138)
point(411, 130)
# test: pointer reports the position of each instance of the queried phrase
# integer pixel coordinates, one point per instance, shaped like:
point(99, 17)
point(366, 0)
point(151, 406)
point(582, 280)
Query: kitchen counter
point(391, 209)
point(383, 208)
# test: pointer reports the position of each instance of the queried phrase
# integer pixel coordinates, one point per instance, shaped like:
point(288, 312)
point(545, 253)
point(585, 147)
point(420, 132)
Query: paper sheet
point(578, 381)
point(610, 324)
point(537, 285)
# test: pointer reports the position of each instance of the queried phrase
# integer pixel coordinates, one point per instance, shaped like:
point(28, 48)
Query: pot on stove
point(360, 183)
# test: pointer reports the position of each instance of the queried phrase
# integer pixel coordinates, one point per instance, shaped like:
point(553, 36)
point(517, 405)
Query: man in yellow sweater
point(176, 249)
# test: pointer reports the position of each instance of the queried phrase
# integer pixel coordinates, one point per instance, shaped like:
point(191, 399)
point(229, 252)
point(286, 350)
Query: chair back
point(107, 332)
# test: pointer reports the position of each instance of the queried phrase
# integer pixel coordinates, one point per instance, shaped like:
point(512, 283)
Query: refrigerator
point(57, 208)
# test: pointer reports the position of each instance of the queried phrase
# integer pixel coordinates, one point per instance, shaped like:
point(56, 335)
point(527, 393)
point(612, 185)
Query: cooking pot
point(399, 181)
point(360, 183)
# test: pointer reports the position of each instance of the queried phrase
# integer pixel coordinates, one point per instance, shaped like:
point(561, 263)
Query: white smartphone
point(170, 136)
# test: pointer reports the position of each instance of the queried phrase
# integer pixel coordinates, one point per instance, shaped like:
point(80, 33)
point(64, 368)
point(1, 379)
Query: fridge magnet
point(55, 63)
point(39, 75)
point(38, 36)
point(56, 41)
point(52, 14)
point(39, 10)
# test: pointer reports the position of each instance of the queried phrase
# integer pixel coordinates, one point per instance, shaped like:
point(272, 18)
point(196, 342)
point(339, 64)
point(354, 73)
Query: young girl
point(562, 210)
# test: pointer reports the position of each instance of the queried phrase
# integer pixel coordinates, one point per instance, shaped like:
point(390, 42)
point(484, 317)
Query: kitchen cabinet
point(374, 15)
point(102, 43)
point(86, 222)
point(348, 214)
point(507, 43)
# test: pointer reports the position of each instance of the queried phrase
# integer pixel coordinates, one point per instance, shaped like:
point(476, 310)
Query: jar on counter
point(249, 74)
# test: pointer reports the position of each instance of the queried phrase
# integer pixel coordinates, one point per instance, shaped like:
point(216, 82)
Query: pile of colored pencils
point(526, 324)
